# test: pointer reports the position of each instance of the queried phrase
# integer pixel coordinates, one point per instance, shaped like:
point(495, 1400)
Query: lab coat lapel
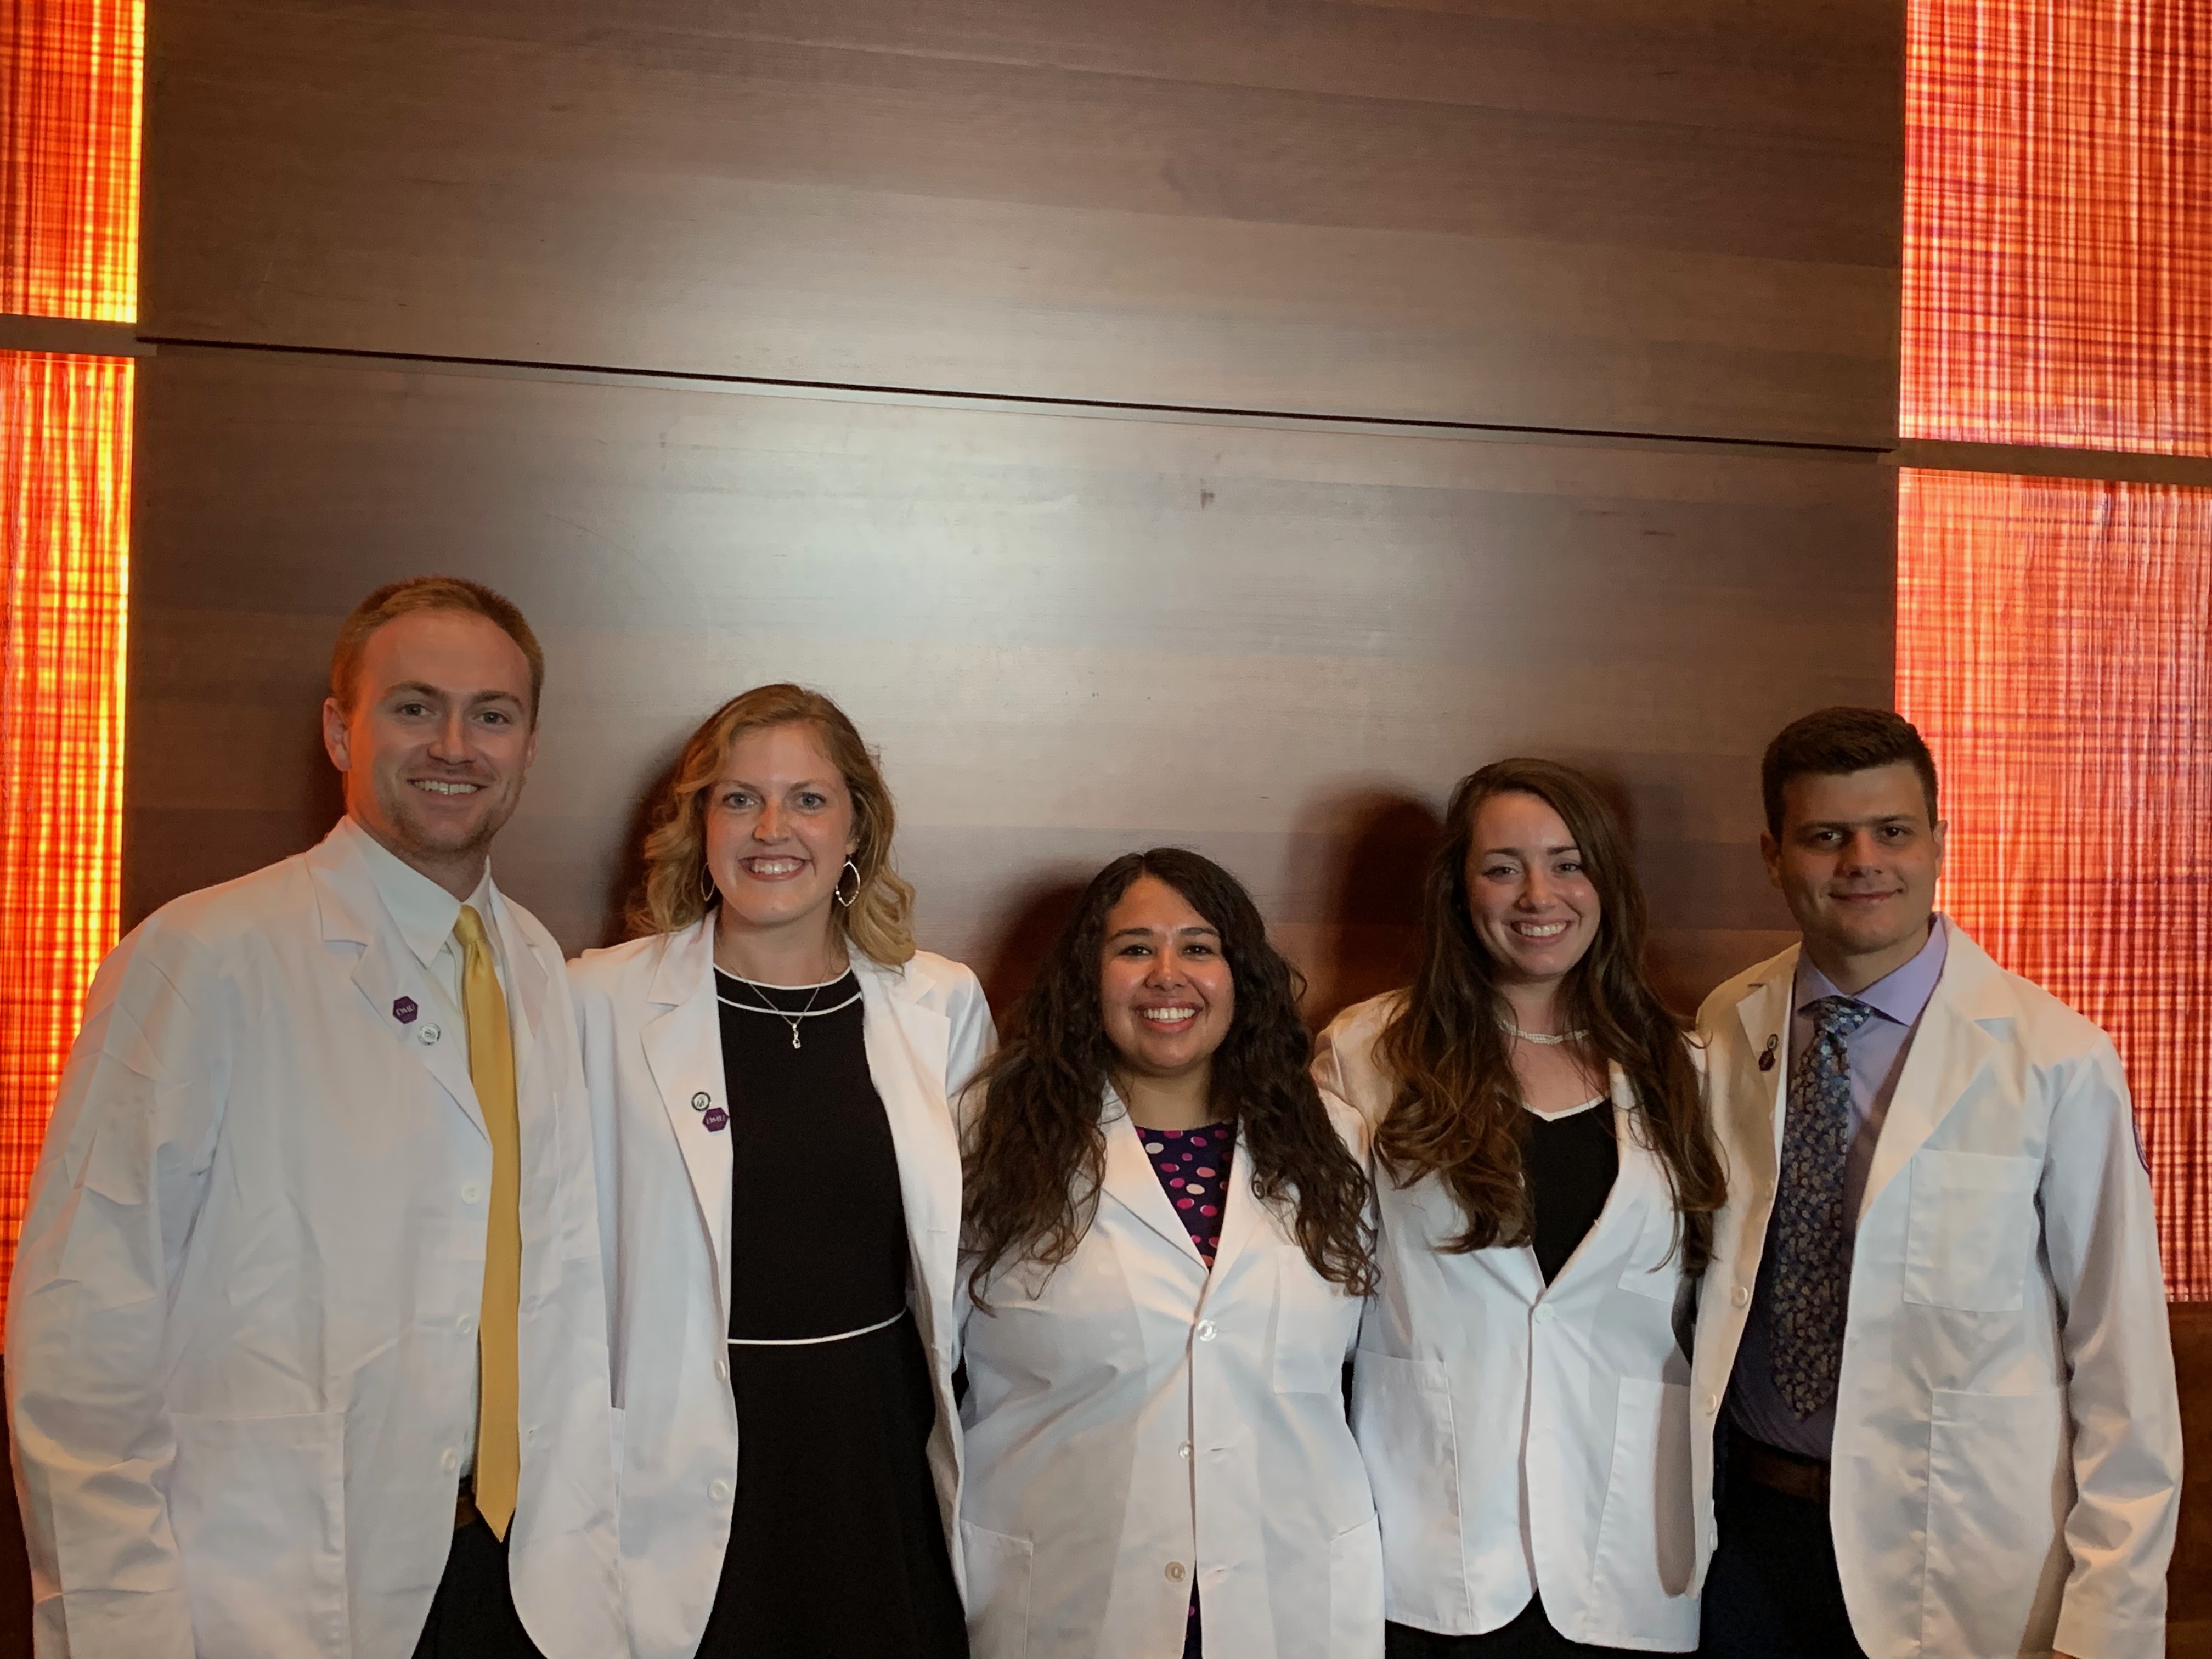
point(909, 1048)
point(388, 971)
point(1751, 1102)
point(683, 1046)
point(1244, 1213)
point(1949, 1050)
point(1132, 1183)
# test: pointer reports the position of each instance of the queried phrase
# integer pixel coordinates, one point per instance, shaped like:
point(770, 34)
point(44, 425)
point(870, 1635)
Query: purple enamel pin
point(717, 1119)
point(404, 1011)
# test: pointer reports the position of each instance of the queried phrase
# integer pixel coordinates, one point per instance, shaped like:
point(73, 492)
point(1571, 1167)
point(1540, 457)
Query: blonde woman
point(769, 1067)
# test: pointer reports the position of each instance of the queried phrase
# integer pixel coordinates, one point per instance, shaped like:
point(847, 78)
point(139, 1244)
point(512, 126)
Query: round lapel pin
point(1766, 1055)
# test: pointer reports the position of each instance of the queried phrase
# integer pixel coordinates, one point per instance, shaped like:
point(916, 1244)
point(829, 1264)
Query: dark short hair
point(395, 599)
point(1832, 741)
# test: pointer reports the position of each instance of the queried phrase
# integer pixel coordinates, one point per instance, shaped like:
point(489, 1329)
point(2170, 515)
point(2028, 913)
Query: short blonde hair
point(395, 599)
point(676, 893)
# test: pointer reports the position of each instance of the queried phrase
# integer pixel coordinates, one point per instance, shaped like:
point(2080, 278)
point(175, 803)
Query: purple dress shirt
point(1877, 1054)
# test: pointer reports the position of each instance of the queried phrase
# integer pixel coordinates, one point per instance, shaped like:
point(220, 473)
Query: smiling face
point(779, 823)
point(1858, 861)
point(1165, 992)
point(437, 740)
point(1532, 905)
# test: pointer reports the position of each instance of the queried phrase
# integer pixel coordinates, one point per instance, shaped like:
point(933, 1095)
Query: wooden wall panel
point(1675, 217)
point(1069, 635)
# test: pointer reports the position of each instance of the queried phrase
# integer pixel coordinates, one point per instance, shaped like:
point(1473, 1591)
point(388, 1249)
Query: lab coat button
point(718, 1490)
point(466, 1323)
point(722, 1370)
point(1741, 1295)
point(451, 1461)
point(1546, 1313)
point(1206, 1330)
point(472, 1193)
point(1712, 1404)
point(428, 1034)
point(1184, 1451)
point(1175, 1571)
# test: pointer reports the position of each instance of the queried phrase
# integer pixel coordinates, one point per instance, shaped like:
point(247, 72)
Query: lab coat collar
point(1765, 1012)
point(388, 973)
point(1951, 1045)
point(1132, 1182)
point(910, 1050)
point(683, 1045)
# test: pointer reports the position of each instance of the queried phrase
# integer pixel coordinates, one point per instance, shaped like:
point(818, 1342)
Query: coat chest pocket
point(1971, 1231)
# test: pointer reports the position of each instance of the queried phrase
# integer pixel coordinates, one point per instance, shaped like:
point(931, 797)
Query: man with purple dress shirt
point(1932, 1340)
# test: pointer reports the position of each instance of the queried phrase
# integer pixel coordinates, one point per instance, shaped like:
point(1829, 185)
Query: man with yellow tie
point(306, 1341)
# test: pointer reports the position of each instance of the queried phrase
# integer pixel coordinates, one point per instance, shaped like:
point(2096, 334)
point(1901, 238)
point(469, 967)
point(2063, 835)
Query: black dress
point(836, 1545)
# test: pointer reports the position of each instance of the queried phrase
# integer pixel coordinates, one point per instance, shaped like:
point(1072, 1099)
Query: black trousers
point(1528, 1636)
point(1772, 1592)
point(473, 1616)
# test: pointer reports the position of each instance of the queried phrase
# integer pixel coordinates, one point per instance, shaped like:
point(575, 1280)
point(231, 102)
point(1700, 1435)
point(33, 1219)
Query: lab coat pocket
point(1314, 1326)
point(1971, 1231)
point(1996, 1507)
point(1355, 1592)
point(1646, 1553)
point(258, 1508)
point(1401, 1415)
point(998, 1568)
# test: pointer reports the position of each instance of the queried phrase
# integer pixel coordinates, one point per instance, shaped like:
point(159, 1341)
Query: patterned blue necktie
point(1812, 1285)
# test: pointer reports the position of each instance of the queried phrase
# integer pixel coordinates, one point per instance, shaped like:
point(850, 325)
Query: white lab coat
point(241, 1338)
point(2007, 1448)
point(653, 1062)
point(1132, 1419)
point(1524, 1436)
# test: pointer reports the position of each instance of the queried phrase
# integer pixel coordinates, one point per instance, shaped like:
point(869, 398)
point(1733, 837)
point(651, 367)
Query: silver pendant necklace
point(765, 1007)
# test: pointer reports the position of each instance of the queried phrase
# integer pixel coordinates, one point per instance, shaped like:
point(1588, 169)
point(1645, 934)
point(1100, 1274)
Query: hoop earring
point(707, 889)
point(838, 892)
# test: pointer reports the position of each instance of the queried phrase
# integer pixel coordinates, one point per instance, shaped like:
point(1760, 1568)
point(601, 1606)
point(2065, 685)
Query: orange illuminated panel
point(67, 499)
point(2059, 224)
point(69, 158)
point(2054, 643)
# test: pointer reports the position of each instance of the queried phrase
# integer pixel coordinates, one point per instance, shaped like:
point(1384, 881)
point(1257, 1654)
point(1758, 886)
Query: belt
point(1787, 1472)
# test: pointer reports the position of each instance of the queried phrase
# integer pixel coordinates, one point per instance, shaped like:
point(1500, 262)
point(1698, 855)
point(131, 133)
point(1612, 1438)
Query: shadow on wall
point(625, 882)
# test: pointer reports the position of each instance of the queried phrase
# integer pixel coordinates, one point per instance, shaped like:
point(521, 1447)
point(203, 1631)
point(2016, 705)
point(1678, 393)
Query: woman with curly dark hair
point(1166, 1241)
point(1547, 1185)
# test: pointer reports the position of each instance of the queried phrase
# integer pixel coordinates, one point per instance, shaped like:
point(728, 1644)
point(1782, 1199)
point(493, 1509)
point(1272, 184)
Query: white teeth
point(1542, 930)
point(1169, 1016)
point(772, 866)
point(443, 786)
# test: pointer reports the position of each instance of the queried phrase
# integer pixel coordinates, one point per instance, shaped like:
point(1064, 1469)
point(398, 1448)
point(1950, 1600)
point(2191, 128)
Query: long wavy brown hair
point(675, 892)
point(1036, 1152)
point(1457, 1114)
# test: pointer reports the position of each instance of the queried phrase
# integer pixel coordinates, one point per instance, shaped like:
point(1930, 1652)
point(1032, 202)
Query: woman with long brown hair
point(1167, 1239)
point(1547, 1187)
point(770, 1067)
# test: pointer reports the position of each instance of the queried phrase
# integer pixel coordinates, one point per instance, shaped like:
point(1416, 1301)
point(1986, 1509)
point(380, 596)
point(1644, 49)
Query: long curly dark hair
point(1036, 1152)
point(1457, 1112)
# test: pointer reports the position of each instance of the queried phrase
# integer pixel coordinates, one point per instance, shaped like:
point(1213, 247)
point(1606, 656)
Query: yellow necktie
point(491, 1069)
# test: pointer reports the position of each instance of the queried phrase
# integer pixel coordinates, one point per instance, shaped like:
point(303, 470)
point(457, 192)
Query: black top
point(1568, 1163)
point(834, 1487)
point(817, 1226)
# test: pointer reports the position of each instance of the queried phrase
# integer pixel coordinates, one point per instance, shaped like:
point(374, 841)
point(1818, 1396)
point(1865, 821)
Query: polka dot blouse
point(1193, 1165)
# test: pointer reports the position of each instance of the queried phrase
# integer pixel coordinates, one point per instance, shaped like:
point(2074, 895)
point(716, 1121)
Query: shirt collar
point(1900, 996)
point(423, 911)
